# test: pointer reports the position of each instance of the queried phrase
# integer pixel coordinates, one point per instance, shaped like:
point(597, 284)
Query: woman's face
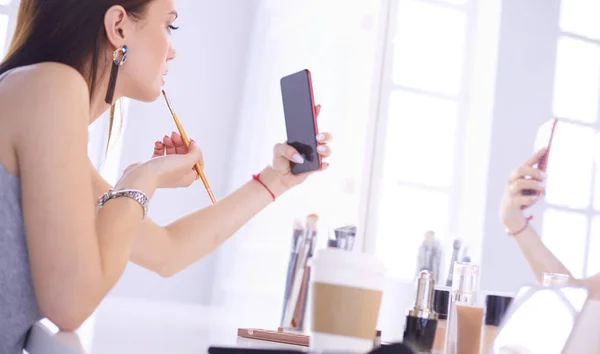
point(149, 52)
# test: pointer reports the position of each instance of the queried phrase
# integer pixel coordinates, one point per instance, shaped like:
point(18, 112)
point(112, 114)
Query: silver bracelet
point(134, 194)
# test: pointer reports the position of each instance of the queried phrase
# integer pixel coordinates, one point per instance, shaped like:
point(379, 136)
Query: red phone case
point(543, 161)
point(312, 100)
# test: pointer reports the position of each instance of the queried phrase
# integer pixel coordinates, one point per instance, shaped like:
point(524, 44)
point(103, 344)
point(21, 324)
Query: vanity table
point(146, 327)
point(136, 326)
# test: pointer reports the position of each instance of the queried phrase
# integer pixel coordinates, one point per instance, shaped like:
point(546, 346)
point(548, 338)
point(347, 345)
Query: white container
point(346, 291)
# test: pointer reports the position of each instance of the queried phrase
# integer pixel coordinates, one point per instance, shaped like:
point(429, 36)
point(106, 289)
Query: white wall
point(523, 101)
point(204, 86)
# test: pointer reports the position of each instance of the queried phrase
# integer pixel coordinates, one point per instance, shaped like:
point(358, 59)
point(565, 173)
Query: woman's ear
point(115, 21)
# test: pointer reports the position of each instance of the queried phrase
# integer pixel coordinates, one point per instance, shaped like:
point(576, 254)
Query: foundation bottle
point(441, 302)
point(465, 318)
point(495, 309)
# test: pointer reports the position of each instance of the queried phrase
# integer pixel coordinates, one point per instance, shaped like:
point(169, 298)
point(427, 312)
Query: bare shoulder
point(44, 96)
point(44, 80)
point(40, 101)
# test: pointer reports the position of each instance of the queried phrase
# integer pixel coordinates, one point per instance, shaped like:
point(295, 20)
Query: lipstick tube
point(421, 320)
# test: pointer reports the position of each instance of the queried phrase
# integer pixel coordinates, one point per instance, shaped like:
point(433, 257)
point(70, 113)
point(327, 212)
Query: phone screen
point(300, 120)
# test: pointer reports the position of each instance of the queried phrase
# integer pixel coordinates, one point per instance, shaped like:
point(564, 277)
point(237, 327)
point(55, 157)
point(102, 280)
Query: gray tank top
point(19, 310)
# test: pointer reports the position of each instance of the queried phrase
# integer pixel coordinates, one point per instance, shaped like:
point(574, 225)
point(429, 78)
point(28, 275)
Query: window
point(5, 13)
point(107, 161)
point(571, 224)
point(421, 122)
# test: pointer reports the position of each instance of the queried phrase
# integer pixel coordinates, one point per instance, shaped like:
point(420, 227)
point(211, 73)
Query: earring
point(119, 58)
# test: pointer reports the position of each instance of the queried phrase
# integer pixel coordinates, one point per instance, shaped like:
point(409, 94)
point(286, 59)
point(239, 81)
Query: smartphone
point(235, 350)
point(545, 136)
point(392, 348)
point(301, 120)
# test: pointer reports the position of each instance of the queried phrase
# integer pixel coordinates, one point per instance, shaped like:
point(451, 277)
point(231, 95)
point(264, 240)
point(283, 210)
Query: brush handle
point(199, 171)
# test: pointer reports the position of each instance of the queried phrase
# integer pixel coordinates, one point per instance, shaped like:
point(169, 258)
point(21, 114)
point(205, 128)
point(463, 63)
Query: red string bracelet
point(513, 234)
point(257, 178)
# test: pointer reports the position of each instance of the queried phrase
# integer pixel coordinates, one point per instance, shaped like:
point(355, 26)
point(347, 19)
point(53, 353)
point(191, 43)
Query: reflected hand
point(522, 182)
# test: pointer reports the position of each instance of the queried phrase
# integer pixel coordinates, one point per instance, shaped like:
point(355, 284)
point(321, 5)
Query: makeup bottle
point(345, 236)
point(421, 320)
point(456, 246)
point(495, 309)
point(377, 340)
point(555, 279)
point(441, 302)
point(465, 318)
point(430, 255)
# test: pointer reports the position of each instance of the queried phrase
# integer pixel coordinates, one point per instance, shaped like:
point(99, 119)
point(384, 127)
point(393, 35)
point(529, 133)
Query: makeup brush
point(186, 141)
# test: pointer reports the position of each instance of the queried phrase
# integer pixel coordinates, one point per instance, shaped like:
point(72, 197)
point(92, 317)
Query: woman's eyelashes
point(172, 28)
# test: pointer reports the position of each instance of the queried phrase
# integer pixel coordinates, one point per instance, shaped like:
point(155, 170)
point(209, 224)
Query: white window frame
point(378, 123)
point(589, 212)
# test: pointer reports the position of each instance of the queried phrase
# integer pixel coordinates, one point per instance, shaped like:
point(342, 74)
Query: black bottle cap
point(441, 302)
point(495, 309)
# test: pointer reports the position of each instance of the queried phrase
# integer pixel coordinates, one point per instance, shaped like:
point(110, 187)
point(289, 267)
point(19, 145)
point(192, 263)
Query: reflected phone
point(301, 120)
point(545, 136)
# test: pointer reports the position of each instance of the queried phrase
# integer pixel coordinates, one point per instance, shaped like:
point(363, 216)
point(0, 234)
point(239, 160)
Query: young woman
point(60, 252)
point(539, 257)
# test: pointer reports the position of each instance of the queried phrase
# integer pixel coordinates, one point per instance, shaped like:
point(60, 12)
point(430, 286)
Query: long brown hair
point(70, 32)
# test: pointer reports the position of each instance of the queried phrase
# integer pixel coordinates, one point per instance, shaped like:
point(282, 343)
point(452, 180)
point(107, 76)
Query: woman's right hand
point(168, 171)
point(515, 200)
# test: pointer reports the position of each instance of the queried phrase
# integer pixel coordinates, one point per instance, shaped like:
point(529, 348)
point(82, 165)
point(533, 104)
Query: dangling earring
point(119, 58)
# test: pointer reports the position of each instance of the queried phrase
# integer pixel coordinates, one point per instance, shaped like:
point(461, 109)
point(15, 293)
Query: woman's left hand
point(284, 153)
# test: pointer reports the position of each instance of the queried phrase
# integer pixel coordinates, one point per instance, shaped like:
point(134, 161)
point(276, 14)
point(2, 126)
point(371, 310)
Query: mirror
point(540, 320)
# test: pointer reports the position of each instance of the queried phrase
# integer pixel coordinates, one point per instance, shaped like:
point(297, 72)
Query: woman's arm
point(538, 256)
point(167, 250)
point(514, 202)
point(541, 259)
point(75, 256)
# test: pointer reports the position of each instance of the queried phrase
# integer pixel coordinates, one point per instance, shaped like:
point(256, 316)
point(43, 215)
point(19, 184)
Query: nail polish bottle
point(441, 303)
point(421, 320)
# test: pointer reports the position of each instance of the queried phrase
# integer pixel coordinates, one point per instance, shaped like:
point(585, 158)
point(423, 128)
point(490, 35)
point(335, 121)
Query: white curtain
point(338, 41)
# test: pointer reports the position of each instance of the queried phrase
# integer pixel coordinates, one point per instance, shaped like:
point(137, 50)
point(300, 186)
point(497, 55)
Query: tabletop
point(140, 326)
